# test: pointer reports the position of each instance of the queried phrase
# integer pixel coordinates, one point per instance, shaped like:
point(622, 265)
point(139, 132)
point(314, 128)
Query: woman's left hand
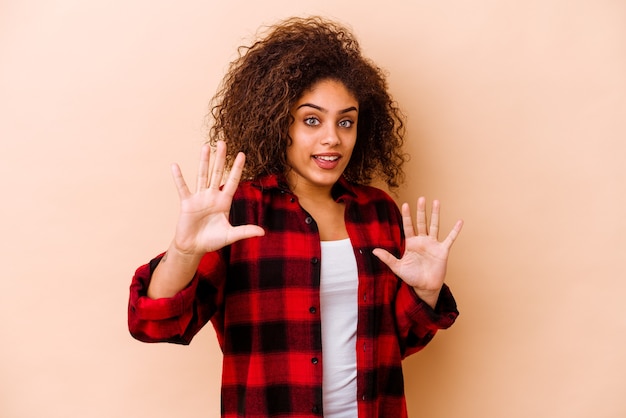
point(423, 264)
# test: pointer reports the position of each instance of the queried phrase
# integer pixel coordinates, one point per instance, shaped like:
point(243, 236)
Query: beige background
point(516, 118)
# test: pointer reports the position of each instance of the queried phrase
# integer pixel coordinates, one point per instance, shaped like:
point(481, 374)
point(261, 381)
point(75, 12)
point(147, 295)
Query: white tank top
point(338, 310)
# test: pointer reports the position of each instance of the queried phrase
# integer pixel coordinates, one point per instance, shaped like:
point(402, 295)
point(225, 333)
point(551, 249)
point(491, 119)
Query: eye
point(311, 121)
point(346, 123)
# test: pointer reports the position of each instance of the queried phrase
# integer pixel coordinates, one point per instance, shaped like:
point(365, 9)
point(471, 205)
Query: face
point(323, 136)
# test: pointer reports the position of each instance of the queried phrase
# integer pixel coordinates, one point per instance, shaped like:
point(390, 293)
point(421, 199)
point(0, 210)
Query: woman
point(316, 284)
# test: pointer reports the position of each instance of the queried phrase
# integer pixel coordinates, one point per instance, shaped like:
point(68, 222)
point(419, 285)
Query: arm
point(418, 322)
point(203, 225)
point(424, 303)
point(175, 295)
point(178, 318)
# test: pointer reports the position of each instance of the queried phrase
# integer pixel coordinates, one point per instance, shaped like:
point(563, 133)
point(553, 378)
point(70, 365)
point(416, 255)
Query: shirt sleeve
point(179, 318)
point(418, 322)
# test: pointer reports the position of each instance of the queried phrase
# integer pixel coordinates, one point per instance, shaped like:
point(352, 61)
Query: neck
point(310, 192)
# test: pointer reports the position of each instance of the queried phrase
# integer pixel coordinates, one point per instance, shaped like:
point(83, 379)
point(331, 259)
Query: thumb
point(245, 231)
point(386, 257)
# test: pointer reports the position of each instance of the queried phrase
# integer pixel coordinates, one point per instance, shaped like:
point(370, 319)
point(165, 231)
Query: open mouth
point(329, 158)
point(327, 162)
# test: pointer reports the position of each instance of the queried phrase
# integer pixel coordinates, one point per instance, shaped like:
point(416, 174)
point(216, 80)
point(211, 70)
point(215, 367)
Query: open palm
point(424, 262)
point(203, 224)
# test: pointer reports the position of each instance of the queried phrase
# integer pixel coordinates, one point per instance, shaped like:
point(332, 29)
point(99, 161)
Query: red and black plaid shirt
point(262, 296)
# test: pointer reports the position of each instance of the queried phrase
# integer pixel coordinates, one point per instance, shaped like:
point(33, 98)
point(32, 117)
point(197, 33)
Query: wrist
point(173, 273)
point(430, 297)
point(174, 256)
point(184, 252)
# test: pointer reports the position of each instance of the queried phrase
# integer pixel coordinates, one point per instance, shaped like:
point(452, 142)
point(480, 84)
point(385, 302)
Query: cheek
point(289, 154)
point(293, 153)
point(350, 140)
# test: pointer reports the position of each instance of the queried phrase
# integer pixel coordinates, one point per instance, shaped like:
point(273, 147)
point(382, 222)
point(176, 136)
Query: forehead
point(328, 93)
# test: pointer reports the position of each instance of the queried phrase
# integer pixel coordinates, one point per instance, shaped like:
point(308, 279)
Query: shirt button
point(308, 220)
point(312, 309)
point(314, 360)
point(315, 260)
point(315, 409)
point(293, 199)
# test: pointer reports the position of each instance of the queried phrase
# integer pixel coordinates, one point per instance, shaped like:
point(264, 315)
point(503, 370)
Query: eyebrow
point(321, 109)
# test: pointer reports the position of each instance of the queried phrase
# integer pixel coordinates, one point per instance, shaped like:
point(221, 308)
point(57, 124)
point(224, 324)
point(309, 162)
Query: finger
point(421, 216)
point(407, 222)
point(434, 220)
point(386, 257)
point(456, 230)
point(179, 181)
point(217, 165)
point(234, 177)
point(243, 232)
point(203, 168)
point(210, 166)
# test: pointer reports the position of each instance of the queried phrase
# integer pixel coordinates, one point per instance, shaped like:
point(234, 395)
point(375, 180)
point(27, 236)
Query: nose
point(331, 136)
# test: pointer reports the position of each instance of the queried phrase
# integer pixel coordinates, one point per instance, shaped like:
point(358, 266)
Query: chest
point(330, 220)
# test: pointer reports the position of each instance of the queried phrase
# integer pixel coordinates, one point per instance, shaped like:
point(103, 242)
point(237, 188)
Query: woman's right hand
point(203, 225)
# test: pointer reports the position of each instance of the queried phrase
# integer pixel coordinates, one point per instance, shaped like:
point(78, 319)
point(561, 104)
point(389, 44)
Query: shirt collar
point(278, 182)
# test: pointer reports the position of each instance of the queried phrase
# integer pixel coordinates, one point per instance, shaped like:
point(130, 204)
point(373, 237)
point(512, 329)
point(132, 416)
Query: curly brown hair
point(251, 109)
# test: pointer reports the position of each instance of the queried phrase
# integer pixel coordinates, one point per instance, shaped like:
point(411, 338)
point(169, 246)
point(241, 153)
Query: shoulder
point(370, 195)
point(247, 190)
point(253, 199)
point(254, 189)
point(375, 203)
point(376, 215)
